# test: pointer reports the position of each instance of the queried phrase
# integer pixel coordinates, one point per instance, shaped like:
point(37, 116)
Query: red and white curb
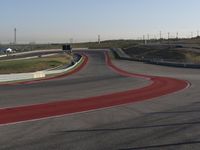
point(159, 86)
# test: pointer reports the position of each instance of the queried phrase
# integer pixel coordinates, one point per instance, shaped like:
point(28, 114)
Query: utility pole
point(177, 35)
point(145, 42)
point(148, 38)
point(99, 39)
point(168, 34)
point(160, 35)
point(15, 35)
point(155, 38)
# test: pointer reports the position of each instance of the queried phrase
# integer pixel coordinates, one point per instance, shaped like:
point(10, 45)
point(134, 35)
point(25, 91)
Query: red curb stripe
point(159, 86)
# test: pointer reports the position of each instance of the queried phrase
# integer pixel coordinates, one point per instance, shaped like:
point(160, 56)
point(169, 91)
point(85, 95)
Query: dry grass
point(193, 57)
point(31, 65)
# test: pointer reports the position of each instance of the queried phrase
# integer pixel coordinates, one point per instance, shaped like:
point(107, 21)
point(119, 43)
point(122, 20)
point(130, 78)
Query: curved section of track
point(70, 72)
point(158, 86)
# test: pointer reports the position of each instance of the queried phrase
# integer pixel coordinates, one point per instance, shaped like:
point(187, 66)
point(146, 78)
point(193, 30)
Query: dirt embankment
point(164, 52)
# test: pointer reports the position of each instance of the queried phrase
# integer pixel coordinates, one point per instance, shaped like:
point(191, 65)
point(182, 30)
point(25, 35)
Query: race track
point(167, 119)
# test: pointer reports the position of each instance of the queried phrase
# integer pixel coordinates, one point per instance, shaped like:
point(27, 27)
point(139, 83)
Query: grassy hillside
point(158, 49)
point(169, 53)
point(31, 65)
point(104, 44)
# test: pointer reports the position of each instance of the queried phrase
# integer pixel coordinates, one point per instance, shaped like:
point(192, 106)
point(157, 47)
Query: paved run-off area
point(169, 121)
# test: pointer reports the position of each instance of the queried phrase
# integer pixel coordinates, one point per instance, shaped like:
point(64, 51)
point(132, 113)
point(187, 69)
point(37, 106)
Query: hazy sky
point(83, 20)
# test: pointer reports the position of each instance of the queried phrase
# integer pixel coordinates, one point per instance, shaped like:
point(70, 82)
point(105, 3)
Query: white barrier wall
point(34, 75)
point(16, 77)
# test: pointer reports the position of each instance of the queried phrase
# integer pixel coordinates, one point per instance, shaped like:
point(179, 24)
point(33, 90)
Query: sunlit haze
point(44, 21)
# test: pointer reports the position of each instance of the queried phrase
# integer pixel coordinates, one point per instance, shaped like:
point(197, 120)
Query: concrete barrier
point(16, 77)
point(174, 64)
point(118, 54)
point(38, 74)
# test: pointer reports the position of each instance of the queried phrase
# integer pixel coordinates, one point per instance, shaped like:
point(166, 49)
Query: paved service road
point(167, 122)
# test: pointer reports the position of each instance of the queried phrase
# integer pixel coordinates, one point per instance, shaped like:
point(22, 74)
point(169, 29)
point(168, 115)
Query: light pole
point(160, 35)
point(148, 38)
point(168, 36)
point(99, 39)
point(15, 35)
point(177, 35)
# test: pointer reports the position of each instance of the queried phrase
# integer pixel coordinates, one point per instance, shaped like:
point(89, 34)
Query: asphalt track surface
point(167, 122)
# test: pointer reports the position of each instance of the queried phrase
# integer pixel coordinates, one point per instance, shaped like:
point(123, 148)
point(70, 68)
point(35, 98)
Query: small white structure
point(9, 50)
point(39, 74)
